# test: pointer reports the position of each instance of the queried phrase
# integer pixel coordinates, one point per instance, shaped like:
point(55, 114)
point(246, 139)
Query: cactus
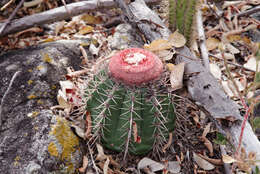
point(131, 110)
point(181, 13)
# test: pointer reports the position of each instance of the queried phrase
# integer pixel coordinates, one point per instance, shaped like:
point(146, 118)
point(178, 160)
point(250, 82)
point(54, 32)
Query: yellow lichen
point(53, 87)
point(31, 96)
point(30, 70)
point(47, 58)
point(52, 149)
point(40, 102)
point(16, 160)
point(66, 139)
point(39, 67)
point(33, 114)
point(29, 82)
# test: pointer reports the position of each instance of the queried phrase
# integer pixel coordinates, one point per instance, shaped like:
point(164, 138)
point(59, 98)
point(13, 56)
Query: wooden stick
point(6, 5)
point(248, 12)
point(202, 39)
point(231, 63)
point(2, 28)
point(58, 14)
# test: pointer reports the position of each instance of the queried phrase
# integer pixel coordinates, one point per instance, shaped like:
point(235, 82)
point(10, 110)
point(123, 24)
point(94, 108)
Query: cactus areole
point(130, 107)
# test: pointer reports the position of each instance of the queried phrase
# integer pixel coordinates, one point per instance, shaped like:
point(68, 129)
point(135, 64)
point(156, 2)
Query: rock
point(125, 37)
point(32, 138)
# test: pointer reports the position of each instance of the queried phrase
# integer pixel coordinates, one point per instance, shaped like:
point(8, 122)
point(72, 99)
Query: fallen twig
point(202, 39)
point(6, 5)
point(5, 94)
point(248, 12)
point(92, 159)
point(231, 63)
point(2, 28)
point(65, 5)
point(58, 14)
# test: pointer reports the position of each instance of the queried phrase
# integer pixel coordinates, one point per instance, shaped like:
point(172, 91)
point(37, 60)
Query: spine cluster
point(129, 118)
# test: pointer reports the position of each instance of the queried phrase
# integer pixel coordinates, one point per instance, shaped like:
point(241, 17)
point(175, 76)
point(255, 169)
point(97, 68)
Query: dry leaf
point(174, 167)
point(176, 76)
point(168, 143)
point(88, 125)
point(208, 144)
point(229, 88)
point(165, 54)
point(76, 73)
point(233, 37)
point(59, 26)
point(228, 159)
point(105, 168)
point(101, 156)
point(232, 49)
point(215, 70)
point(153, 165)
point(251, 64)
point(170, 66)
point(202, 163)
point(206, 130)
point(177, 39)
point(230, 3)
point(86, 29)
point(211, 160)
point(91, 19)
point(84, 165)
point(158, 45)
point(80, 132)
point(212, 43)
point(62, 100)
point(84, 54)
point(33, 30)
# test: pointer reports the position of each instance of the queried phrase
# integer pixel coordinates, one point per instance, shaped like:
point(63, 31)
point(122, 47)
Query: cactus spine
point(131, 118)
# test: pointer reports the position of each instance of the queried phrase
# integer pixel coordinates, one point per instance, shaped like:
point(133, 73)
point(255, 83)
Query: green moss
point(66, 140)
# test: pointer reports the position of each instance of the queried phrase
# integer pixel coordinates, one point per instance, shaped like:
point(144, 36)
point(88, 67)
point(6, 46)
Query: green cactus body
point(134, 118)
point(181, 13)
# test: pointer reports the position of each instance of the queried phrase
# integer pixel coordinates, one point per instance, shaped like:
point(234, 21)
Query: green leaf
point(220, 139)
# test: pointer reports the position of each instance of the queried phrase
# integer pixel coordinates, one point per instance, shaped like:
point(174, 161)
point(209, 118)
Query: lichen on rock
point(64, 144)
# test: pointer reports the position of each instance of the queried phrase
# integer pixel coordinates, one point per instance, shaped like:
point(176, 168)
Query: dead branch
point(202, 39)
point(59, 14)
point(231, 63)
point(248, 12)
point(2, 28)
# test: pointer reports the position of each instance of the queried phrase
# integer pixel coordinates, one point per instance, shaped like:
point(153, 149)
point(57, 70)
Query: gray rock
point(32, 138)
point(124, 37)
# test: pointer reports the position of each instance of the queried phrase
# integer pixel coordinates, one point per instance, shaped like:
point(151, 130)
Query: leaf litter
point(239, 50)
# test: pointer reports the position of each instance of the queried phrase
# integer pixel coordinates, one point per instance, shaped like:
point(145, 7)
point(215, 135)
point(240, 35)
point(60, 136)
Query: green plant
point(129, 106)
point(181, 13)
